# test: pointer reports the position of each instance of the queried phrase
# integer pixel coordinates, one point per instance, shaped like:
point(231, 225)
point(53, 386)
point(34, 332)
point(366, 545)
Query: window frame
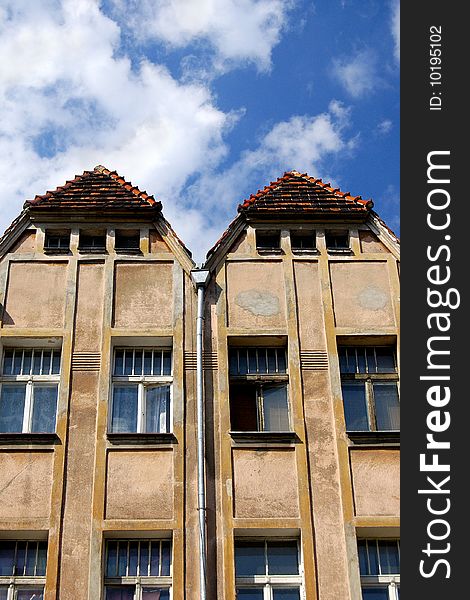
point(143, 383)
point(59, 233)
point(14, 583)
point(385, 581)
point(260, 233)
point(260, 381)
point(303, 234)
point(334, 234)
point(120, 235)
point(92, 234)
point(269, 582)
point(139, 582)
point(31, 382)
point(369, 380)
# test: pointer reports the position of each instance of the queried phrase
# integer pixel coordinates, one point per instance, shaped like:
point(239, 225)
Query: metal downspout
point(200, 278)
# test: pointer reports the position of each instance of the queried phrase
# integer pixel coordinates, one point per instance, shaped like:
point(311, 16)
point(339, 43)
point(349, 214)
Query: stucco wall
point(309, 306)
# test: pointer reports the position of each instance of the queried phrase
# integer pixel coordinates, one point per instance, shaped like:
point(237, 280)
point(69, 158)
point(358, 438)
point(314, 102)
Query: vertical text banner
point(435, 349)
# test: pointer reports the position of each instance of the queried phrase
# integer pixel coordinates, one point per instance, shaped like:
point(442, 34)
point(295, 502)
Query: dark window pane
point(7, 362)
point(166, 558)
point(158, 409)
point(133, 556)
point(7, 557)
point(373, 557)
point(128, 362)
point(155, 559)
point(44, 409)
point(387, 406)
point(122, 559)
point(36, 593)
point(124, 417)
point(281, 361)
point(361, 360)
point(154, 593)
point(138, 362)
point(252, 363)
point(243, 409)
point(42, 559)
point(286, 594)
point(242, 362)
point(345, 366)
point(56, 362)
point(20, 558)
point(363, 563)
point(233, 362)
point(250, 594)
point(27, 357)
point(249, 559)
point(371, 364)
point(385, 360)
point(389, 557)
point(157, 362)
point(120, 593)
point(283, 558)
point(144, 559)
point(111, 564)
point(302, 240)
point(17, 362)
point(337, 240)
point(31, 558)
point(167, 363)
point(262, 361)
point(89, 242)
point(46, 362)
point(272, 360)
point(127, 240)
point(375, 593)
point(12, 408)
point(3, 592)
point(268, 241)
point(37, 360)
point(147, 362)
point(355, 406)
point(119, 362)
point(275, 408)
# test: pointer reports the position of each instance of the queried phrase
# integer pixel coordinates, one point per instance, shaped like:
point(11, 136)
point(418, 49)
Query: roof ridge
point(289, 175)
point(99, 169)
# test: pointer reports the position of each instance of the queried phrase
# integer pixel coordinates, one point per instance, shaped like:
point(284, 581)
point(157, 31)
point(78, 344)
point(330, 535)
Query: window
point(22, 569)
point(92, 241)
point(127, 241)
point(267, 570)
point(138, 570)
point(29, 385)
point(379, 565)
point(302, 241)
point(369, 382)
point(337, 241)
point(57, 242)
point(258, 389)
point(268, 241)
point(141, 390)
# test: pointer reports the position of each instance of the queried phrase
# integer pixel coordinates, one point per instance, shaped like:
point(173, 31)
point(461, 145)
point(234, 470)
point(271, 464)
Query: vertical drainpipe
point(200, 278)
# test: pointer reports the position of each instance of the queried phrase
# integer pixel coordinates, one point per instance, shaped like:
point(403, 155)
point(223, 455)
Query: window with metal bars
point(258, 389)
point(379, 566)
point(369, 381)
point(22, 569)
point(141, 397)
point(57, 242)
point(29, 386)
point(268, 569)
point(138, 570)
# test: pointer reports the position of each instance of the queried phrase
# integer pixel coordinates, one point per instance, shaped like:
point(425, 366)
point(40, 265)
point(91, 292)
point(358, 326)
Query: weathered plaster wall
point(255, 295)
point(26, 242)
point(46, 307)
point(371, 243)
point(265, 483)
point(376, 481)
point(25, 485)
point(309, 306)
point(362, 294)
point(140, 485)
point(157, 243)
point(142, 295)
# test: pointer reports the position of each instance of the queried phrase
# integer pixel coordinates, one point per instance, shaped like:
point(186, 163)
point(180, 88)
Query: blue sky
point(200, 102)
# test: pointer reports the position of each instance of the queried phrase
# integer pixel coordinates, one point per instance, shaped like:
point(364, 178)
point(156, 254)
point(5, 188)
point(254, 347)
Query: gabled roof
point(99, 189)
point(296, 195)
point(298, 192)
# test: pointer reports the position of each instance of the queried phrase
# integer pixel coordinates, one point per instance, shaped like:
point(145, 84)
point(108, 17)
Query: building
point(99, 399)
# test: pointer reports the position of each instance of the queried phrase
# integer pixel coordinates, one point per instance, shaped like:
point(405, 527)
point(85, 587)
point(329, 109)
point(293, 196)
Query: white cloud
point(384, 127)
point(358, 75)
point(239, 31)
point(395, 27)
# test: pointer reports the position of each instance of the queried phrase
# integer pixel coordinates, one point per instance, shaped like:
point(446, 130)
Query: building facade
point(98, 402)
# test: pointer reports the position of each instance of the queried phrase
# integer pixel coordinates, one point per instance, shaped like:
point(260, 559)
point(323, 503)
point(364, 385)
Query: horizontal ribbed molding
point(314, 360)
point(86, 361)
point(209, 361)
